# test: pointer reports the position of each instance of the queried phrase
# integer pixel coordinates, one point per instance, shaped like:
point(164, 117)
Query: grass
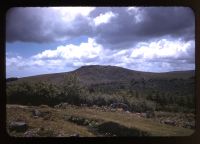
point(57, 125)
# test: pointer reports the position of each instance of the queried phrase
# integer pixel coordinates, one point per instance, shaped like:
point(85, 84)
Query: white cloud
point(13, 60)
point(68, 14)
point(136, 12)
point(157, 56)
point(163, 49)
point(104, 18)
point(89, 49)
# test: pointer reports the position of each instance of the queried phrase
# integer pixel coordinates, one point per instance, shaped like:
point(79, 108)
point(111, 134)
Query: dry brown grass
point(65, 128)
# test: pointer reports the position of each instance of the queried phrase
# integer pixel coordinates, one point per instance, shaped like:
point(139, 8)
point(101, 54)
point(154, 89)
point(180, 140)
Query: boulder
point(44, 106)
point(84, 105)
point(75, 135)
point(144, 115)
point(31, 133)
point(189, 125)
point(120, 105)
point(86, 122)
point(36, 113)
point(19, 126)
point(62, 105)
point(47, 115)
point(77, 120)
point(170, 122)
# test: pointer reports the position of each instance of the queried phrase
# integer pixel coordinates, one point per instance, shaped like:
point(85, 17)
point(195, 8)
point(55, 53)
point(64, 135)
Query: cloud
point(112, 27)
point(145, 24)
point(68, 14)
point(165, 49)
point(86, 50)
point(163, 55)
point(157, 56)
point(46, 24)
point(103, 18)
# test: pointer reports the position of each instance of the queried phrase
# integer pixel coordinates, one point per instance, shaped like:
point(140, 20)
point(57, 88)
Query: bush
point(70, 91)
point(32, 93)
point(141, 105)
point(73, 92)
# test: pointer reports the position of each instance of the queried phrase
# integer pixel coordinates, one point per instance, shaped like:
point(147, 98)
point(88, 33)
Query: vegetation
point(11, 79)
point(68, 121)
point(139, 95)
point(86, 102)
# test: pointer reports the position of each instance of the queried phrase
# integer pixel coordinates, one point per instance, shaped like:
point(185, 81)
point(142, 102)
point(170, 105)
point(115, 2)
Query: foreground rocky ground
point(66, 120)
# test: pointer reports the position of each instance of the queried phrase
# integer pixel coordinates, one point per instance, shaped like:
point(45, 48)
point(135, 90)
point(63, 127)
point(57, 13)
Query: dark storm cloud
point(42, 25)
point(25, 25)
point(79, 26)
point(124, 30)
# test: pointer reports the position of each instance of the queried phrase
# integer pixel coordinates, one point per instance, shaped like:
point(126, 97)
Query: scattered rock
point(76, 120)
point(47, 115)
point(61, 134)
point(35, 117)
point(36, 113)
point(143, 115)
point(93, 124)
point(46, 132)
point(67, 117)
point(107, 134)
point(113, 110)
point(84, 105)
point(86, 122)
point(75, 135)
point(62, 105)
point(18, 126)
point(31, 133)
point(44, 106)
point(96, 107)
point(104, 108)
point(140, 114)
point(170, 122)
point(120, 105)
point(189, 125)
point(120, 109)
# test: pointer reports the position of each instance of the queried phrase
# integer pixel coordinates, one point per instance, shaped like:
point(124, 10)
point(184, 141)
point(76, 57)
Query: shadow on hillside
point(103, 128)
point(115, 129)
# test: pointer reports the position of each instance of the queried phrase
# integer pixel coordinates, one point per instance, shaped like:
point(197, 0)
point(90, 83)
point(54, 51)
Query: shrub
point(141, 105)
point(32, 93)
point(72, 91)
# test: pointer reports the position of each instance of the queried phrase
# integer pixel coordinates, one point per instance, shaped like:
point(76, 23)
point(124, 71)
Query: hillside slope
point(102, 74)
point(104, 85)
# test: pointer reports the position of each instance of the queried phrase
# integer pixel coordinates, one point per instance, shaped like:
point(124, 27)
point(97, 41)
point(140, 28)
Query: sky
point(42, 40)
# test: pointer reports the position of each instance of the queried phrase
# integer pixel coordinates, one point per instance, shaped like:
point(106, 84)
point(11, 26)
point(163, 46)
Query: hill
point(102, 101)
point(94, 74)
point(104, 85)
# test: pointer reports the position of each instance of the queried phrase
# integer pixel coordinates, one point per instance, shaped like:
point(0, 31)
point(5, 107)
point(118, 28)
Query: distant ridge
point(98, 74)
